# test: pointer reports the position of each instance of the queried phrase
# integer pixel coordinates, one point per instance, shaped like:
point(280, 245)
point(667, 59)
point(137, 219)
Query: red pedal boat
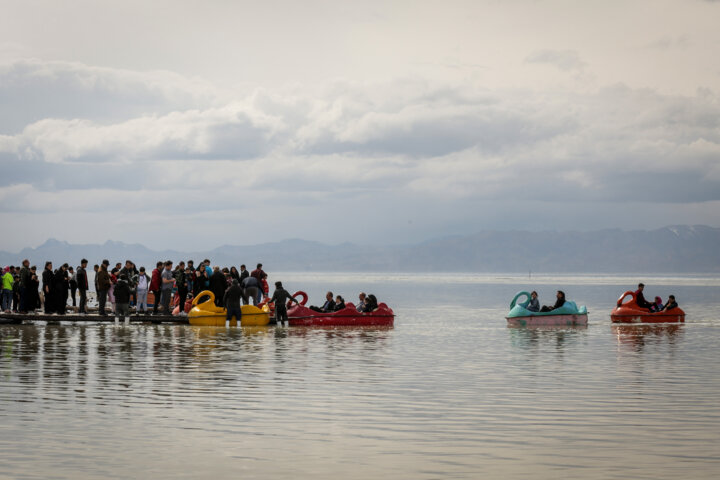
point(301, 316)
point(630, 312)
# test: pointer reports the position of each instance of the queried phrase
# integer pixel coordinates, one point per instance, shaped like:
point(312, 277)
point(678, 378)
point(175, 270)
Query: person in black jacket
point(218, 284)
point(33, 298)
point(243, 273)
point(48, 290)
point(122, 297)
point(328, 306)
point(231, 299)
point(280, 296)
point(61, 285)
point(671, 303)
point(82, 283)
point(558, 303)
point(371, 304)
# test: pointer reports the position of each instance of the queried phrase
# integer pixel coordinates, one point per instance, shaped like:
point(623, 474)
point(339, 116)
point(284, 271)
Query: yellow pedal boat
point(206, 314)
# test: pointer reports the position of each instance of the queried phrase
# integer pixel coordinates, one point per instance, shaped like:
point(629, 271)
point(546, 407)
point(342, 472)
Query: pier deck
point(16, 318)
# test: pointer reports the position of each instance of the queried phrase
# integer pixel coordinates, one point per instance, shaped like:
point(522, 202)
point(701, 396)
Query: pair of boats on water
point(204, 312)
point(569, 314)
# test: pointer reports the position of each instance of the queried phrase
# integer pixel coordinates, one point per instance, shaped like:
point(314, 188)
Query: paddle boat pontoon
point(568, 314)
point(630, 312)
point(204, 312)
point(300, 315)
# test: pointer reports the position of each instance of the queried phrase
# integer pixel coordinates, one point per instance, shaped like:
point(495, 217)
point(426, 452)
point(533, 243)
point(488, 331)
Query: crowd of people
point(24, 290)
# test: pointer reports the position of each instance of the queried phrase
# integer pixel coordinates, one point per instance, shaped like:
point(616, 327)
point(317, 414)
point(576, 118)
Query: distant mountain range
point(677, 249)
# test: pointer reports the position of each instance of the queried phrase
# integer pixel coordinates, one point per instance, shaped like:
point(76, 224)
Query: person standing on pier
point(24, 285)
point(7, 289)
point(260, 275)
point(182, 286)
point(167, 285)
point(72, 284)
point(155, 285)
point(33, 298)
point(243, 273)
point(143, 282)
point(82, 285)
point(47, 280)
point(218, 285)
point(62, 285)
point(122, 298)
point(103, 285)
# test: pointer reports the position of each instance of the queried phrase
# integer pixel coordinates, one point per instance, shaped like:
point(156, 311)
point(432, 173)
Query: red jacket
point(155, 282)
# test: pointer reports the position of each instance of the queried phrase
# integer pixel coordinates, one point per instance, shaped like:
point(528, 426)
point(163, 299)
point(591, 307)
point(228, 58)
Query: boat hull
point(548, 320)
point(301, 316)
point(207, 314)
point(646, 318)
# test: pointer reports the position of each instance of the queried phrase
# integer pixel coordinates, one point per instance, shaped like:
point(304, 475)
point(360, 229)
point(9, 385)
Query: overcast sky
point(192, 124)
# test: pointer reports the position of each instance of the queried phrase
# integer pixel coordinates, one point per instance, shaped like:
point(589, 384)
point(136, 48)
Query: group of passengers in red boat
point(366, 303)
point(656, 306)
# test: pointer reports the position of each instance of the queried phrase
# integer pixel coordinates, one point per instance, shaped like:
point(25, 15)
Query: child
point(657, 306)
point(142, 280)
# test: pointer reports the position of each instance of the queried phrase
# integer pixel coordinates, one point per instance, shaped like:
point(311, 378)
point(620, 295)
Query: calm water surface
point(449, 392)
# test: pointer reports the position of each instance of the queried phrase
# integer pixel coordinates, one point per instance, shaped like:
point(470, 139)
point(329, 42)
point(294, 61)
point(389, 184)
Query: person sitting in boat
point(558, 303)
point(361, 302)
point(671, 303)
point(640, 298)
point(339, 303)
point(328, 306)
point(657, 306)
point(533, 304)
point(370, 304)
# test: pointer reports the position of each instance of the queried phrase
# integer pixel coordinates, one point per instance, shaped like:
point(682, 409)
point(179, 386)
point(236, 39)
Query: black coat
point(218, 284)
point(122, 292)
point(47, 280)
point(60, 281)
point(82, 280)
point(232, 296)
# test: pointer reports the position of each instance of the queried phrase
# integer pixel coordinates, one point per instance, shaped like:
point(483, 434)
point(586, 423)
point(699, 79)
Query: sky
point(191, 124)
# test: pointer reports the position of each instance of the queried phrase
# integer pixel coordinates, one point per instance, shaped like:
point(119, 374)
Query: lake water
point(449, 392)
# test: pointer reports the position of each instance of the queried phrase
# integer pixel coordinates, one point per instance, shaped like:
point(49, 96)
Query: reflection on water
point(450, 392)
point(637, 337)
point(535, 337)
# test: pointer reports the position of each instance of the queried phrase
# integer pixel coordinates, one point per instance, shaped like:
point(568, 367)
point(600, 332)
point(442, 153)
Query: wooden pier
point(17, 318)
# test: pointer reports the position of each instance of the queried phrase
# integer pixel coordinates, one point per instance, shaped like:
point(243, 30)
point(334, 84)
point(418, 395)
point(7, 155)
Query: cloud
point(565, 60)
point(408, 150)
point(33, 90)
